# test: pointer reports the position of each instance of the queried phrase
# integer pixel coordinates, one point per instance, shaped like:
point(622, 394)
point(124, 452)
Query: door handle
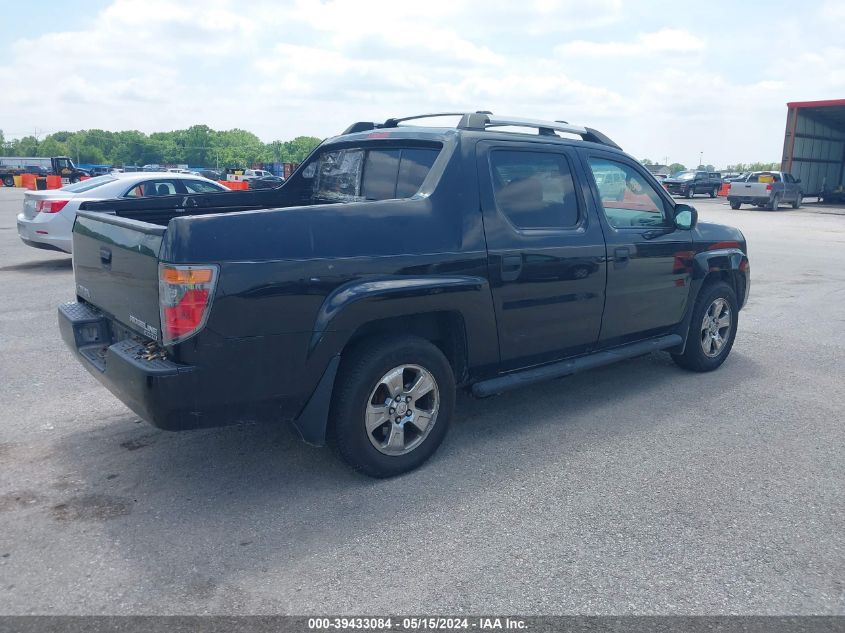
point(621, 254)
point(105, 256)
point(511, 267)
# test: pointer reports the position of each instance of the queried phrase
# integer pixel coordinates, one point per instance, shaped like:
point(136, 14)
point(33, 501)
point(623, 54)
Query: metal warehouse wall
point(814, 145)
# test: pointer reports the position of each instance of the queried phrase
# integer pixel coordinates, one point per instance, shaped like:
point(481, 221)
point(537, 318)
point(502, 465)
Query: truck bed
point(161, 209)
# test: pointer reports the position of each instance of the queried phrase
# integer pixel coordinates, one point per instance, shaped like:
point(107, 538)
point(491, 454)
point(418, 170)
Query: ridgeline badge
point(148, 329)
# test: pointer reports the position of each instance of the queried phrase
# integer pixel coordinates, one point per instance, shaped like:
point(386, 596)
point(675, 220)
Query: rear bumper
point(749, 199)
point(176, 396)
point(151, 388)
point(53, 235)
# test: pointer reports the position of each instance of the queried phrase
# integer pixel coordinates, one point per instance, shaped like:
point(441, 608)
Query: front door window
point(627, 198)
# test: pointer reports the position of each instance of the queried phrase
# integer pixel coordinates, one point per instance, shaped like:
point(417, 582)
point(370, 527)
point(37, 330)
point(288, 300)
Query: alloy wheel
point(402, 409)
point(716, 327)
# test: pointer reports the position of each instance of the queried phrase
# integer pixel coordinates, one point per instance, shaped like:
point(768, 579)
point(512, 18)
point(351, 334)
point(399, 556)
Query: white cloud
point(658, 42)
point(833, 10)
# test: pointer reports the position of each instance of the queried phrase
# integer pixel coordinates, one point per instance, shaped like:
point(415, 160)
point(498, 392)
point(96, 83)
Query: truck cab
point(63, 166)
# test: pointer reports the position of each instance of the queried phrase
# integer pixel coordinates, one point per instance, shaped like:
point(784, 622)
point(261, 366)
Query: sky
point(665, 80)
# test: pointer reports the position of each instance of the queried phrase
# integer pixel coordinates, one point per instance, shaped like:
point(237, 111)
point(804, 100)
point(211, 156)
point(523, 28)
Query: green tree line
point(738, 167)
point(743, 167)
point(197, 145)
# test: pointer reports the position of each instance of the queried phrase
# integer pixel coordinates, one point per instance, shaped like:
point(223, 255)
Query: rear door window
point(534, 190)
point(355, 174)
point(150, 188)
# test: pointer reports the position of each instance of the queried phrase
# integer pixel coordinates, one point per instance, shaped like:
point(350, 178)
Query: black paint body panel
point(297, 282)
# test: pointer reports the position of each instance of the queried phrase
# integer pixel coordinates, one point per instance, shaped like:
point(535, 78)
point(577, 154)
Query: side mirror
point(686, 217)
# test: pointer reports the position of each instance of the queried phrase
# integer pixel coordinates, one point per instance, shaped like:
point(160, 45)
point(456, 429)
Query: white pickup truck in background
point(767, 189)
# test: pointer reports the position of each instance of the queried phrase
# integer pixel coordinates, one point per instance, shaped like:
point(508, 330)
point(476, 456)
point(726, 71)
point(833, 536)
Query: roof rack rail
point(364, 126)
point(484, 119)
point(396, 121)
point(360, 126)
point(480, 121)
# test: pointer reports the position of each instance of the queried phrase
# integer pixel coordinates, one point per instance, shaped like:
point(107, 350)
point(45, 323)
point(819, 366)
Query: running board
point(563, 368)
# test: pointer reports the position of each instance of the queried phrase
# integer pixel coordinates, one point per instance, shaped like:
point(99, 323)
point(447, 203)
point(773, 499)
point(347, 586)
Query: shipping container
point(814, 145)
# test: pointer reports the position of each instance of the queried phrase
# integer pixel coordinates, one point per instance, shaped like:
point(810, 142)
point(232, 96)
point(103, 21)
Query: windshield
point(685, 175)
point(87, 185)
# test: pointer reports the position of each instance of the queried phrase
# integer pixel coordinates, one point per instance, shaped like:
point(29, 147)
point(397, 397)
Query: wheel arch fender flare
point(724, 260)
point(721, 257)
point(359, 302)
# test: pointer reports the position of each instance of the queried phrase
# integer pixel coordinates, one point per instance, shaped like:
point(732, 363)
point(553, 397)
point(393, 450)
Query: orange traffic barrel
point(28, 181)
point(54, 182)
point(235, 185)
point(723, 191)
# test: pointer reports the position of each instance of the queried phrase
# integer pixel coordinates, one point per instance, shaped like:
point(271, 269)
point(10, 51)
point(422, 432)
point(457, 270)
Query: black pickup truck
point(397, 264)
point(689, 183)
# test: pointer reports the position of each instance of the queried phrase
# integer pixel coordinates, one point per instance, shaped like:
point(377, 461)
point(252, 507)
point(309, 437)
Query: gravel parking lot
point(633, 489)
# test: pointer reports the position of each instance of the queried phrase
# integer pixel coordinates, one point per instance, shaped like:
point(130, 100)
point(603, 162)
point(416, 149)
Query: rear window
point(767, 177)
point(87, 185)
point(355, 174)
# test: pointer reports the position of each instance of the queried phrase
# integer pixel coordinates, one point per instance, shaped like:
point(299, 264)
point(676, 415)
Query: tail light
point(769, 187)
point(185, 294)
point(51, 206)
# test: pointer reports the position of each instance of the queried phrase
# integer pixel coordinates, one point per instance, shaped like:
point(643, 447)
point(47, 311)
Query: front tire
point(8, 181)
point(690, 192)
point(712, 329)
point(797, 203)
point(393, 402)
point(714, 192)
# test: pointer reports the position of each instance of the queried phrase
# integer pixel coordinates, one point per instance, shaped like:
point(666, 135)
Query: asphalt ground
point(633, 489)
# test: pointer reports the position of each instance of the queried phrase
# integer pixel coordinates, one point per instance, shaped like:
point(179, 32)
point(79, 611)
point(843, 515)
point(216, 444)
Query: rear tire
point(712, 329)
point(714, 192)
point(8, 181)
point(774, 203)
point(378, 432)
point(735, 204)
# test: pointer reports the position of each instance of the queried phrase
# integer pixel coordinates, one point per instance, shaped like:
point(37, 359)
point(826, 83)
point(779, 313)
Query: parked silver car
point(47, 217)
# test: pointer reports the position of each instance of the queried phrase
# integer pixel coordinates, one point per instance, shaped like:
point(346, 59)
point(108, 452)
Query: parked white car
point(47, 218)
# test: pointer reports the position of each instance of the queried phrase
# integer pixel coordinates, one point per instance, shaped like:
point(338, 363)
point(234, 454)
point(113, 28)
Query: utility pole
point(700, 155)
